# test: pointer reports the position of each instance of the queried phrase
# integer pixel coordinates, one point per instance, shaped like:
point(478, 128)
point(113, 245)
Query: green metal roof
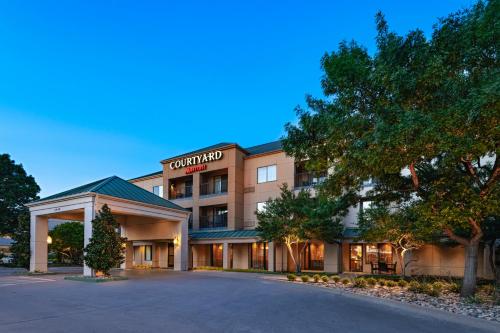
point(265, 148)
point(119, 188)
point(223, 234)
point(351, 232)
point(148, 175)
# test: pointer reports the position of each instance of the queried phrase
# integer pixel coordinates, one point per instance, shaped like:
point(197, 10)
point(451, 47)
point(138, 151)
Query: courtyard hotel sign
point(196, 162)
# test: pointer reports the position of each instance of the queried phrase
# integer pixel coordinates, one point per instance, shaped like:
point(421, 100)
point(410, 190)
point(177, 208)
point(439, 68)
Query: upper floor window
point(261, 206)
point(158, 190)
point(266, 174)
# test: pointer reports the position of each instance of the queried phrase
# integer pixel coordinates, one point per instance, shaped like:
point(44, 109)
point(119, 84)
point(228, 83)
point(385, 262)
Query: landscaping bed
point(95, 279)
point(443, 295)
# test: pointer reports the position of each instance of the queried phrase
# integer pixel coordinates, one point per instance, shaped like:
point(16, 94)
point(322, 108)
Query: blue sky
point(89, 90)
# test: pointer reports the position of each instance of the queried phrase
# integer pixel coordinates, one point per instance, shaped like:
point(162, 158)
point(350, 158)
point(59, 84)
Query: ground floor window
point(376, 253)
point(148, 252)
point(216, 256)
point(258, 255)
point(313, 258)
point(355, 257)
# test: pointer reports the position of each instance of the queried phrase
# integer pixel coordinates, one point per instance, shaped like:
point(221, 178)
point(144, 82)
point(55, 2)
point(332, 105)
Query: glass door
point(217, 184)
point(170, 255)
point(356, 257)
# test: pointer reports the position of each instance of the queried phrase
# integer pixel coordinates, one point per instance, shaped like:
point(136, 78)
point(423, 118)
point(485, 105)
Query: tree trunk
point(290, 251)
point(403, 264)
point(470, 271)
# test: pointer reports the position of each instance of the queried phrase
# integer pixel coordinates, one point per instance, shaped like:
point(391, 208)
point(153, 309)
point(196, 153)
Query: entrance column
point(156, 255)
point(129, 255)
point(88, 216)
point(39, 228)
point(270, 256)
point(225, 255)
point(181, 246)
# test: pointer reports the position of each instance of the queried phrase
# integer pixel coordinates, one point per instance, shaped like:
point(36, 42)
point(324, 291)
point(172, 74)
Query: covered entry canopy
point(141, 214)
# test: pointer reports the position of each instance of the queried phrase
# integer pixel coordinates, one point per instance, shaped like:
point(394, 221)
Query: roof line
point(101, 184)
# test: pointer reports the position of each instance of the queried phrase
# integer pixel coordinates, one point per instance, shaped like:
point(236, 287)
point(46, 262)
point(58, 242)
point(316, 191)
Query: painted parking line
point(22, 280)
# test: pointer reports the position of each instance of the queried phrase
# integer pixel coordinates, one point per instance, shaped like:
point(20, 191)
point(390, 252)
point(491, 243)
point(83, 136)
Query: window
point(371, 253)
point(261, 206)
point(365, 205)
point(158, 190)
point(376, 253)
point(266, 174)
point(148, 252)
point(313, 258)
point(258, 255)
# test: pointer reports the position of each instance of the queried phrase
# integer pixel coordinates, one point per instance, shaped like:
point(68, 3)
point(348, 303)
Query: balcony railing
point(213, 221)
point(213, 188)
point(304, 179)
point(187, 193)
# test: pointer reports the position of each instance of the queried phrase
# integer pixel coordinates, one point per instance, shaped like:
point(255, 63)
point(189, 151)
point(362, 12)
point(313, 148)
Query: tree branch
point(414, 176)
point(456, 238)
point(476, 230)
point(472, 172)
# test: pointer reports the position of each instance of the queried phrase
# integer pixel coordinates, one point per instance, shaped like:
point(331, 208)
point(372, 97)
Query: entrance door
point(355, 257)
point(170, 255)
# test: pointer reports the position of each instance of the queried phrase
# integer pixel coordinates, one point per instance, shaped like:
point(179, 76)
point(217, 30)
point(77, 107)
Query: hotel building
point(199, 210)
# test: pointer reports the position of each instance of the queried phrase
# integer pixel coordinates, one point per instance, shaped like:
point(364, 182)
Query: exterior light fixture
point(49, 240)
point(176, 241)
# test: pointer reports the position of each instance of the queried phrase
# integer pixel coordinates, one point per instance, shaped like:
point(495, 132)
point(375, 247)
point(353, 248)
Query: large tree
point(21, 247)
point(295, 219)
point(105, 248)
point(421, 117)
point(67, 242)
point(16, 189)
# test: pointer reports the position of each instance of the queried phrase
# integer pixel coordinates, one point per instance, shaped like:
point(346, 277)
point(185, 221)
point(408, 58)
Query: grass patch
point(93, 279)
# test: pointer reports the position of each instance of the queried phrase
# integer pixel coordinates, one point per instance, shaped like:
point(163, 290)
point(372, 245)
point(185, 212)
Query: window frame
point(264, 204)
point(160, 190)
point(266, 167)
point(150, 253)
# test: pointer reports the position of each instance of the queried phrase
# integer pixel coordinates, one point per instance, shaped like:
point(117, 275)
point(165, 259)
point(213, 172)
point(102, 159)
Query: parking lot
point(170, 301)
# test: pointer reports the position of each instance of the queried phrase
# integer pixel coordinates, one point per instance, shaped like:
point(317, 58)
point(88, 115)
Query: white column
point(181, 250)
point(225, 255)
point(270, 257)
point(129, 256)
point(39, 228)
point(89, 214)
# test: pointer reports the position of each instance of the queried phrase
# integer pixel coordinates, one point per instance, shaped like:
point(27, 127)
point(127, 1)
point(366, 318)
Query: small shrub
point(438, 286)
point(304, 278)
point(454, 288)
point(324, 278)
point(336, 278)
point(382, 282)
point(402, 283)
point(475, 299)
point(488, 289)
point(391, 283)
point(291, 277)
point(371, 281)
point(360, 283)
point(415, 286)
point(345, 281)
point(316, 278)
point(426, 288)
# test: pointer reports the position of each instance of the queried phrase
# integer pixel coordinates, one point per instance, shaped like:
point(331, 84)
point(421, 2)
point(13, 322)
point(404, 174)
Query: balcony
point(187, 192)
point(213, 221)
point(305, 179)
point(214, 188)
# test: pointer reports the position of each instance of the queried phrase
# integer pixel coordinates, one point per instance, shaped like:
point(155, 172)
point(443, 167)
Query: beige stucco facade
point(138, 222)
point(241, 198)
